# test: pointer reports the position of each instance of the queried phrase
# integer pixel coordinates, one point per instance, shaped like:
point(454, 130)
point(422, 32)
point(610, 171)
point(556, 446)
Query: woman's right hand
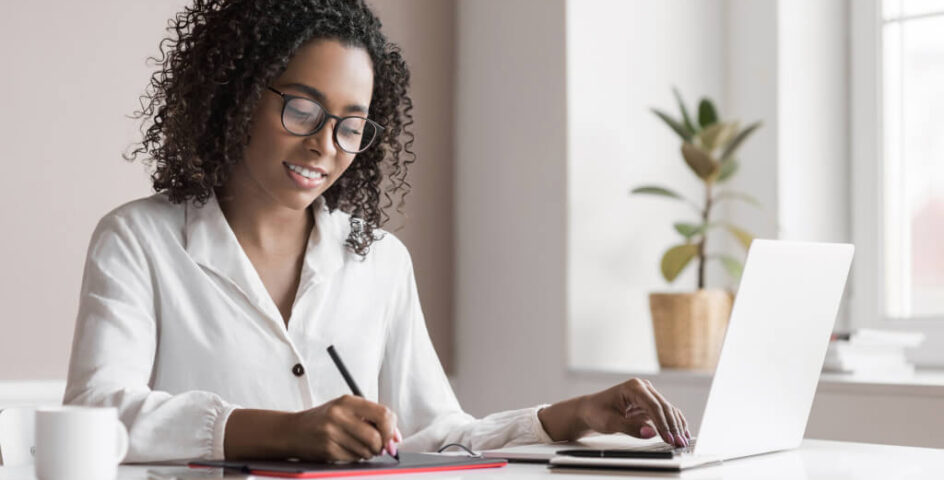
point(347, 428)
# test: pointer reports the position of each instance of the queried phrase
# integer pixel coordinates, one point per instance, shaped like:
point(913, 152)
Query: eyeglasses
point(303, 116)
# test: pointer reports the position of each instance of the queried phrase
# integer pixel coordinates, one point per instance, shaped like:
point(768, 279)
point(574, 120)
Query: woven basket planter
point(689, 327)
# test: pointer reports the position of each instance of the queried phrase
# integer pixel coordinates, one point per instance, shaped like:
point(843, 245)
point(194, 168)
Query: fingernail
point(682, 441)
point(396, 435)
point(670, 440)
point(688, 434)
point(393, 448)
point(383, 451)
point(647, 431)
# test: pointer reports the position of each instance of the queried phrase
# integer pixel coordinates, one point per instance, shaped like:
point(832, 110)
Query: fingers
point(345, 449)
point(346, 428)
point(637, 424)
point(688, 434)
point(362, 432)
point(680, 425)
point(673, 415)
point(380, 416)
point(662, 418)
point(667, 420)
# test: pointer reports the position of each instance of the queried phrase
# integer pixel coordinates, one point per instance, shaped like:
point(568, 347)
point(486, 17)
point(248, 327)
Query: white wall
point(622, 59)
point(751, 39)
point(813, 102)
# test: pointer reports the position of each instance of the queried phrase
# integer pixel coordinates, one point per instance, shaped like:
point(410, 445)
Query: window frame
point(867, 295)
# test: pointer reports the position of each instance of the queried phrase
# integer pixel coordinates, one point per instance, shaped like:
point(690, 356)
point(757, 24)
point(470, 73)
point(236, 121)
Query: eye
point(294, 112)
point(352, 127)
point(350, 132)
point(302, 109)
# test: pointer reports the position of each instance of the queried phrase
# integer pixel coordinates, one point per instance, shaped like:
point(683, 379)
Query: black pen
point(350, 382)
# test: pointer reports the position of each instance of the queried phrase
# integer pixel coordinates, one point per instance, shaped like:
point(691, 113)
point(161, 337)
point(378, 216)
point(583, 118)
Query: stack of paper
point(872, 352)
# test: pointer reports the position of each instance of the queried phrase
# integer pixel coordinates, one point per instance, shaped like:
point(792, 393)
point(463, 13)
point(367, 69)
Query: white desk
point(816, 459)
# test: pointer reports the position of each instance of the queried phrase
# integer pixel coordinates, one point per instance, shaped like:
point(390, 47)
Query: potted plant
point(689, 327)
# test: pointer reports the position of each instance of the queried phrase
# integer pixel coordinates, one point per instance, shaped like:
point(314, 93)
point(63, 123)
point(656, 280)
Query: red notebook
point(409, 463)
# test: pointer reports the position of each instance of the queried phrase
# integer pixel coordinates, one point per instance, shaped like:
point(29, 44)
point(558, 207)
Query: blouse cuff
point(222, 412)
point(537, 428)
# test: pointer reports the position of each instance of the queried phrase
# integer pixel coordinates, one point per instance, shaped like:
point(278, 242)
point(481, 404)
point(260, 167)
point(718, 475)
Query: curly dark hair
point(216, 63)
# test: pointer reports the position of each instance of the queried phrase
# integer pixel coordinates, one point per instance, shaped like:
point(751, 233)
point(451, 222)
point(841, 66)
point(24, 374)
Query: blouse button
point(298, 370)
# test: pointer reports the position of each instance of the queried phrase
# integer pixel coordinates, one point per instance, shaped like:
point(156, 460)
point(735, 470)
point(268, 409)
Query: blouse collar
point(211, 243)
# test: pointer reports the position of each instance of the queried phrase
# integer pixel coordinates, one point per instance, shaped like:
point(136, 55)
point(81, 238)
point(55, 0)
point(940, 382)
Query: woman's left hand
point(633, 407)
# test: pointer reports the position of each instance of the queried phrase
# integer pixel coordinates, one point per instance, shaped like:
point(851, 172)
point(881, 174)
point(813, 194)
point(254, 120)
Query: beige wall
point(424, 29)
point(69, 78)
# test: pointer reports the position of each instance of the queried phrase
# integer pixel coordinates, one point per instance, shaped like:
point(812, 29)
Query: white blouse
point(176, 329)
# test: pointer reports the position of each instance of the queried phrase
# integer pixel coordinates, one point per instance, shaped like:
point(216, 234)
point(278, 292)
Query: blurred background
point(533, 123)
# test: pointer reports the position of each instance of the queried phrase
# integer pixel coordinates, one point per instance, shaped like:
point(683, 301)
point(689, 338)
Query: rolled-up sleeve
point(113, 353)
point(414, 385)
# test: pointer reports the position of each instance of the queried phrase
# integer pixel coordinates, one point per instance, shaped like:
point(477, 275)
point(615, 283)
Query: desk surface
point(815, 459)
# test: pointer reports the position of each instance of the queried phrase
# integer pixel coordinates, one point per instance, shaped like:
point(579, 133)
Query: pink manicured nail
point(396, 435)
point(647, 431)
point(671, 440)
point(393, 448)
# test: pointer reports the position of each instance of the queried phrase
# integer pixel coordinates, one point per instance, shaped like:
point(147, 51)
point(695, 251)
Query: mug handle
point(122, 441)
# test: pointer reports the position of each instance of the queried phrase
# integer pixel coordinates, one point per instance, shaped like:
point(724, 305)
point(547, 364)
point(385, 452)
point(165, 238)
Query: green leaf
point(700, 162)
point(718, 134)
point(738, 139)
point(709, 136)
point(732, 265)
point(689, 230)
point(664, 192)
point(728, 168)
point(673, 124)
point(742, 236)
point(654, 190)
point(686, 120)
point(707, 115)
point(732, 195)
point(676, 259)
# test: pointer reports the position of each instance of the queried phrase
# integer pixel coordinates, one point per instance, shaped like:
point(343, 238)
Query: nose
point(323, 140)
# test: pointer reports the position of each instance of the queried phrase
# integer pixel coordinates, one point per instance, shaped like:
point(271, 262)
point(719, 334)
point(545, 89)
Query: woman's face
point(338, 77)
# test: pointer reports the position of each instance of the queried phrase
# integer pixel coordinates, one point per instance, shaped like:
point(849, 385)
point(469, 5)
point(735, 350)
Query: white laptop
point(770, 363)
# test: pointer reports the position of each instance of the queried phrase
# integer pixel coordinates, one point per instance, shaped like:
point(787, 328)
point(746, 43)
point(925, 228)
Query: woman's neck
point(261, 223)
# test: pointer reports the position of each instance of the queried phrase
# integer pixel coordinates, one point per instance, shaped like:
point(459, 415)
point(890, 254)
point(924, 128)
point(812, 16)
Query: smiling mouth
point(310, 174)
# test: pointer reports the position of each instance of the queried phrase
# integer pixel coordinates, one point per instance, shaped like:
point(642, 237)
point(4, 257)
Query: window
point(913, 163)
point(897, 111)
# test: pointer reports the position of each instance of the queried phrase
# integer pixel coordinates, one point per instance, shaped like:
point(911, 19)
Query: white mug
point(80, 443)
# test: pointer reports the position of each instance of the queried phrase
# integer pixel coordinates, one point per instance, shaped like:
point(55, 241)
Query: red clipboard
point(409, 463)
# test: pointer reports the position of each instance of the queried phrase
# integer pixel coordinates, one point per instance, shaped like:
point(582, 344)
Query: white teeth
point(304, 171)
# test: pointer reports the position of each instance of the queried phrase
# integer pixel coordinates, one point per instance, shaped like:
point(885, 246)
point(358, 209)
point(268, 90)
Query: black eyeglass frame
point(286, 97)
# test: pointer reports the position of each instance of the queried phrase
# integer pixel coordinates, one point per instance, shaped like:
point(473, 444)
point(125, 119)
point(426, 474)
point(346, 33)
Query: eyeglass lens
point(305, 117)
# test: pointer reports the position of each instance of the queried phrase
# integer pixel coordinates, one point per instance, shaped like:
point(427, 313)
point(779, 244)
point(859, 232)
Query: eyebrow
point(314, 92)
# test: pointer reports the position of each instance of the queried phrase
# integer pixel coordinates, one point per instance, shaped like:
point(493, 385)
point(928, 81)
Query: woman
point(205, 311)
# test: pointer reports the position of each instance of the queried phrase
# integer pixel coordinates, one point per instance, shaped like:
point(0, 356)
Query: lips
point(306, 178)
point(307, 172)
